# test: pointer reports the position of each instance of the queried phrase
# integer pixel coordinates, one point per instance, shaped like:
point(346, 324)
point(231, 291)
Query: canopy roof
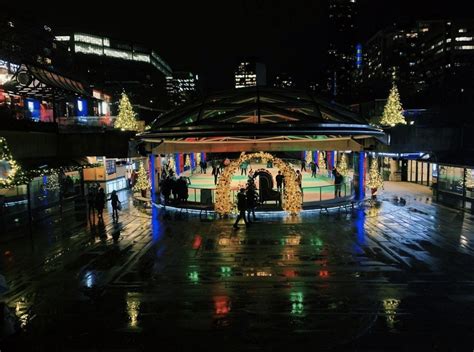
point(41, 83)
point(258, 115)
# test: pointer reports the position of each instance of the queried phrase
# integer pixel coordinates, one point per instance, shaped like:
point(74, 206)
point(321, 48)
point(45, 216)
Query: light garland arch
point(292, 197)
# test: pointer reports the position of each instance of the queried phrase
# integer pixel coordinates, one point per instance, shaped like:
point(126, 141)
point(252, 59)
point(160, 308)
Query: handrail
point(347, 189)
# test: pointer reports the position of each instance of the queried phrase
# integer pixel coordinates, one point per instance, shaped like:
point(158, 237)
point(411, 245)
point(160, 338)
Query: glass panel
point(451, 179)
point(470, 183)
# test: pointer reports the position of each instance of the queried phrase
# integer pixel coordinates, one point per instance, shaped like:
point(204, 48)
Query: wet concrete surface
point(391, 276)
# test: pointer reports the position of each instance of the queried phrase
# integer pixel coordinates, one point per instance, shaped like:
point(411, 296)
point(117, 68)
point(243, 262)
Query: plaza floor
point(395, 275)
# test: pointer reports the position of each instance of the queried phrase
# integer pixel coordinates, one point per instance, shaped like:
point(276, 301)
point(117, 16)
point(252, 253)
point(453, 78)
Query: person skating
point(314, 169)
point(215, 172)
point(241, 206)
point(303, 165)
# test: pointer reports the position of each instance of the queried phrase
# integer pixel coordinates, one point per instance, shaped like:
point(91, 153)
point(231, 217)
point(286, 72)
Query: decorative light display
point(292, 197)
point(187, 162)
point(393, 111)
point(126, 117)
point(198, 158)
point(375, 178)
point(321, 162)
point(469, 178)
point(10, 171)
point(142, 183)
point(342, 166)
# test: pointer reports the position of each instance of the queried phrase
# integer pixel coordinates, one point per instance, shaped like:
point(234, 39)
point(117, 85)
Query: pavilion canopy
point(256, 118)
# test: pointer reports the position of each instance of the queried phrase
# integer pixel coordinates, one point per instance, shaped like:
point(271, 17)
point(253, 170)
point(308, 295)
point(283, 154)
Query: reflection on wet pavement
point(385, 275)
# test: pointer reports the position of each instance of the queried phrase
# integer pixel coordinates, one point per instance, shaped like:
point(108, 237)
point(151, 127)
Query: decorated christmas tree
point(126, 117)
point(10, 172)
point(198, 158)
point(187, 161)
point(142, 183)
point(375, 178)
point(342, 165)
point(321, 162)
point(309, 156)
point(172, 165)
point(393, 111)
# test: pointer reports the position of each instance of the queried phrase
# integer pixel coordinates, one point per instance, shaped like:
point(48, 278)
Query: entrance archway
point(292, 197)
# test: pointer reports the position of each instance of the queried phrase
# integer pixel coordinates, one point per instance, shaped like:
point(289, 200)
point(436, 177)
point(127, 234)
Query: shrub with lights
point(292, 197)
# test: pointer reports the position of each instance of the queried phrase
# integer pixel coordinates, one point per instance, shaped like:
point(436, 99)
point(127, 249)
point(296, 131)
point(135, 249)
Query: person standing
point(241, 206)
point(299, 179)
point(251, 201)
point(115, 205)
point(91, 195)
point(100, 203)
point(216, 172)
point(279, 181)
point(338, 181)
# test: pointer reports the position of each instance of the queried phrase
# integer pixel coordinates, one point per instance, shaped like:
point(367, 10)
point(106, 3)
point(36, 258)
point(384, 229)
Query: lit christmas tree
point(375, 178)
point(342, 166)
point(309, 157)
point(321, 162)
point(393, 111)
point(142, 183)
point(187, 161)
point(198, 158)
point(172, 165)
point(126, 117)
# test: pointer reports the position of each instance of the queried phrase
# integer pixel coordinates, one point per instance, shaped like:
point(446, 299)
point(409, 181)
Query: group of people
point(178, 187)
point(247, 200)
point(96, 200)
point(314, 167)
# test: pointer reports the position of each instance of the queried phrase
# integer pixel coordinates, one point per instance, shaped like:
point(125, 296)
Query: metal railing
point(89, 121)
point(207, 196)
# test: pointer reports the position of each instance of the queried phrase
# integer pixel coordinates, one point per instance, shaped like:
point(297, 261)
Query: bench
point(340, 203)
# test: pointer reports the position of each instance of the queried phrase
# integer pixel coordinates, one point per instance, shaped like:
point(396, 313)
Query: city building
point(342, 47)
point(181, 87)
point(431, 61)
point(250, 74)
point(117, 66)
point(284, 80)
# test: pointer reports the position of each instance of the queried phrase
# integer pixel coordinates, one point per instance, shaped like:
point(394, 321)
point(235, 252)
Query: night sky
point(210, 37)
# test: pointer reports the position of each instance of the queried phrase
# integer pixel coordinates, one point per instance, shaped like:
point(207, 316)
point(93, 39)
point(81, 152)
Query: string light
point(10, 170)
point(292, 197)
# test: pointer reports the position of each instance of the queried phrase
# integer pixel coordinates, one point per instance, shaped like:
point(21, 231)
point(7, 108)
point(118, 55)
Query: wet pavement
point(395, 275)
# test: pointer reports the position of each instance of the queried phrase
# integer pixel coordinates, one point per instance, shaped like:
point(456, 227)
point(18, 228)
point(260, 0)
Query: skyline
point(213, 38)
